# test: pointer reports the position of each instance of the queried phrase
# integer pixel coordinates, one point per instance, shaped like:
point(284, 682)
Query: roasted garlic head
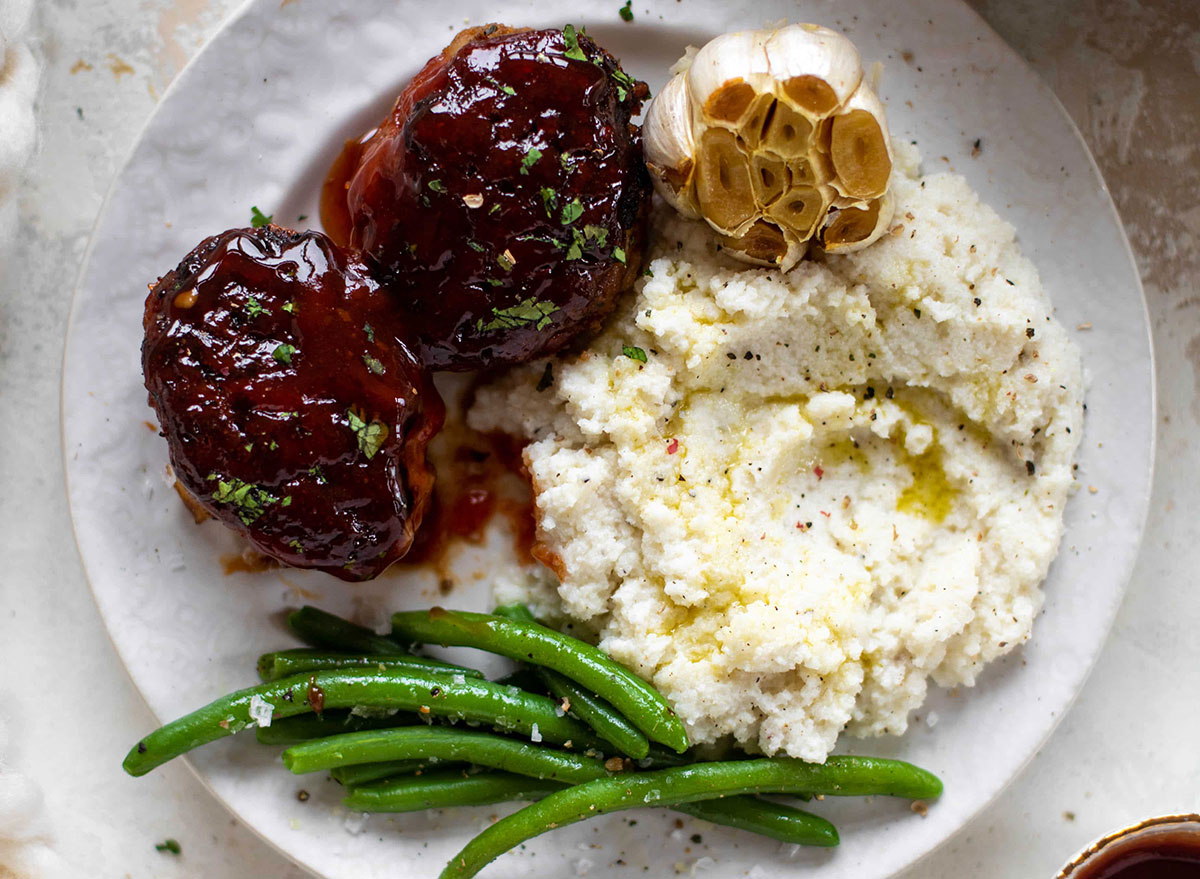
point(774, 139)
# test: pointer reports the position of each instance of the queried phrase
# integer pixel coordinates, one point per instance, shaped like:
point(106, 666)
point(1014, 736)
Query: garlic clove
point(859, 147)
point(754, 123)
point(725, 77)
point(670, 148)
point(723, 182)
point(800, 209)
point(852, 225)
point(765, 244)
point(787, 133)
point(769, 177)
point(818, 69)
point(814, 168)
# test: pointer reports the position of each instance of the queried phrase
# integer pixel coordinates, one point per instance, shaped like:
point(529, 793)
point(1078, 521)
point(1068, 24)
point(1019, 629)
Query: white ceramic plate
point(255, 120)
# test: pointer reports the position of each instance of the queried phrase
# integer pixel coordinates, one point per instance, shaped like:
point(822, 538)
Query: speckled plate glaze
point(255, 120)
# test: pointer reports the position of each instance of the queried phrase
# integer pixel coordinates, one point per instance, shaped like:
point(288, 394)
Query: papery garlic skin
point(774, 138)
point(667, 135)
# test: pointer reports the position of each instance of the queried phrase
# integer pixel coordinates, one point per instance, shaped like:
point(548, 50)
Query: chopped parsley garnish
point(575, 251)
point(580, 240)
point(254, 307)
point(625, 83)
point(296, 545)
point(474, 245)
point(273, 445)
point(258, 219)
point(251, 500)
point(370, 331)
point(436, 185)
point(596, 233)
point(374, 365)
point(507, 89)
point(169, 845)
point(571, 39)
point(494, 282)
point(286, 502)
point(317, 473)
point(249, 447)
point(619, 254)
point(646, 271)
point(370, 435)
point(530, 313)
point(506, 261)
point(626, 11)
point(283, 353)
point(549, 200)
point(572, 212)
point(531, 156)
point(547, 378)
point(493, 209)
point(634, 353)
point(289, 307)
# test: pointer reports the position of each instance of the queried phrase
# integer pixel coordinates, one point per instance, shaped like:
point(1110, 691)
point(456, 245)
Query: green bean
point(505, 708)
point(284, 663)
point(661, 758)
point(365, 773)
point(839, 776)
point(319, 628)
point(483, 749)
point(439, 790)
point(775, 820)
point(608, 723)
point(443, 789)
point(301, 728)
point(526, 679)
point(442, 743)
point(589, 666)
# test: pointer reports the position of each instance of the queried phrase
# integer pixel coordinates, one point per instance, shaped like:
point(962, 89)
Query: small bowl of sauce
point(1158, 848)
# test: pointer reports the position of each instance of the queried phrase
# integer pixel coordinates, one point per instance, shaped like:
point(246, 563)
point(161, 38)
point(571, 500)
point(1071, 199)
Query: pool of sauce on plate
point(1163, 855)
point(479, 477)
point(247, 561)
point(335, 211)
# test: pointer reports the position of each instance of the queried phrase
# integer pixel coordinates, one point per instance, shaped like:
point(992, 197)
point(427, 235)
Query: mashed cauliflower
point(820, 490)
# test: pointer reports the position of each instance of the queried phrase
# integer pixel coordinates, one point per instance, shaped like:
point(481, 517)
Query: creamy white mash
point(821, 490)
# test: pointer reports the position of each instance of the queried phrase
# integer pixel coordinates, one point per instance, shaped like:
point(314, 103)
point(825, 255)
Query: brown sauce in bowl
point(1155, 860)
point(1160, 849)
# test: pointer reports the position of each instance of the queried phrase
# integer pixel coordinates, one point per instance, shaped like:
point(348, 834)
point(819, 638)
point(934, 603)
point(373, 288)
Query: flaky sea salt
point(261, 710)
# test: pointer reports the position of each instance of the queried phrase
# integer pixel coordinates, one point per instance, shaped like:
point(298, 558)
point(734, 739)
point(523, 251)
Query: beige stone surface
point(1129, 74)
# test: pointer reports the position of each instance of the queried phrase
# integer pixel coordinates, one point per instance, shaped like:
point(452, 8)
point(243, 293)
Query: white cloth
point(18, 131)
point(26, 843)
